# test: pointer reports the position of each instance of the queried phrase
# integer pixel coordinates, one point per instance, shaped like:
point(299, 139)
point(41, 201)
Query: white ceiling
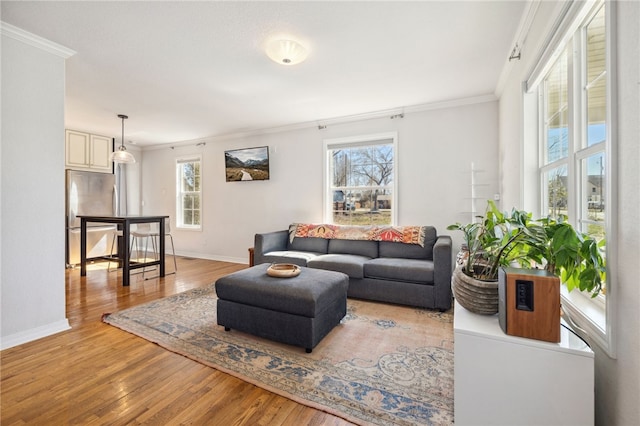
point(188, 70)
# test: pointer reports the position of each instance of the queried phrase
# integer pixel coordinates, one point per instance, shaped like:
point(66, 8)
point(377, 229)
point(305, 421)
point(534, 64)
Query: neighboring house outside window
point(360, 180)
point(189, 193)
point(576, 149)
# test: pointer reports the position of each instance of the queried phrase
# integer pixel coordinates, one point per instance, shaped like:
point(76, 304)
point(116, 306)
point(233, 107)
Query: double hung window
point(189, 193)
point(360, 180)
point(576, 146)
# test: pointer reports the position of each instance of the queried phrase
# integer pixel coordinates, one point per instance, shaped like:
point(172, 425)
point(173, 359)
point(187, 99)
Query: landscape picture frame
point(247, 164)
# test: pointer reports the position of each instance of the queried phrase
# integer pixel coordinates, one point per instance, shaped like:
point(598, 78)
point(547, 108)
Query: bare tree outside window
point(362, 184)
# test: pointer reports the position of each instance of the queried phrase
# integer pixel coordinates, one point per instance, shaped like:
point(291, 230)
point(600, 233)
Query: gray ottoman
point(298, 311)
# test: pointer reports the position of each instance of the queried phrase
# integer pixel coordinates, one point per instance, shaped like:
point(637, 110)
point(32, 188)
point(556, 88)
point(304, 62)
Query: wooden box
point(529, 303)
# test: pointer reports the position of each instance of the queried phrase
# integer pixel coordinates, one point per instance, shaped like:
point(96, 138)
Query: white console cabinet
point(84, 151)
point(508, 380)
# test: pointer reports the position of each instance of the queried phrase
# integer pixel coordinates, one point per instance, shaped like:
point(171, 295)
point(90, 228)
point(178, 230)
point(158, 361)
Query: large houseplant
point(489, 243)
point(575, 257)
point(502, 239)
point(493, 241)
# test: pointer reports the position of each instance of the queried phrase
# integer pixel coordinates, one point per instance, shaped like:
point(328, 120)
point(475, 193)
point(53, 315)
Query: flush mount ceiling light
point(286, 52)
point(122, 155)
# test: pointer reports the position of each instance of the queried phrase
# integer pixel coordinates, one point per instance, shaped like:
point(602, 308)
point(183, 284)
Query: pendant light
point(122, 155)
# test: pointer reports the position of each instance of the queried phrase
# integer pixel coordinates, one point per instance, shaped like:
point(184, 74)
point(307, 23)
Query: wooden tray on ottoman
point(283, 270)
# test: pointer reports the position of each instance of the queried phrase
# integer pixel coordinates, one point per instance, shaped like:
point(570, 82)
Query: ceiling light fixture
point(122, 155)
point(286, 52)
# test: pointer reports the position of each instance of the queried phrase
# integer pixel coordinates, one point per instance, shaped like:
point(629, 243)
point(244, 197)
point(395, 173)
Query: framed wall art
point(247, 164)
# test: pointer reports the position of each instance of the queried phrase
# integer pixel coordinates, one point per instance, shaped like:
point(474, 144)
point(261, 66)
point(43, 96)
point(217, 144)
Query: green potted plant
point(503, 239)
point(489, 243)
point(575, 257)
point(492, 241)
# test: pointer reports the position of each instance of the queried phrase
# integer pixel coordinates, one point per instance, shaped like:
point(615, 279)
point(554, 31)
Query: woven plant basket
point(480, 297)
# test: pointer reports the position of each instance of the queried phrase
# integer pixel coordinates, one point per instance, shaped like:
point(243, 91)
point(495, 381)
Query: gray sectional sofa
point(386, 271)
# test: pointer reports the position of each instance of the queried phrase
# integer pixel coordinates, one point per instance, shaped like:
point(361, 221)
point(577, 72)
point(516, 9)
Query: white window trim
point(590, 316)
point(595, 317)
point(178, 201)
point(353, 140)
point(571, 16)
point(611, 154)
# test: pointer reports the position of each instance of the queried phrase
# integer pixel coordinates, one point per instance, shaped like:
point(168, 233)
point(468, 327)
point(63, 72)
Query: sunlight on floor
point(104, 265)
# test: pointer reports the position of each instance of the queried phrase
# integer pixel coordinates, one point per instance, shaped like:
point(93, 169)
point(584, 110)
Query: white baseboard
point(32, 334)
point(244, 260)
point(218, 258)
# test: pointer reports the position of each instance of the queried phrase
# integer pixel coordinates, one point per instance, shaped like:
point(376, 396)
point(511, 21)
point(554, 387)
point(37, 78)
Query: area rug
point(383, 365)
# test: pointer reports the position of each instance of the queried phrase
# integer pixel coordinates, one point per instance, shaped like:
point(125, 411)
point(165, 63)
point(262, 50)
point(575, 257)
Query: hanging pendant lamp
point(122, 155)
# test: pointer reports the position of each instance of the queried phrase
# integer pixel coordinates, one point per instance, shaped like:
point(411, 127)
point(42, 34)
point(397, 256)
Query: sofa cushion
point(410, 251)
point(316, 245)
point(349, 264)
point(290, 256)
point(410, 270)
point(357, 247)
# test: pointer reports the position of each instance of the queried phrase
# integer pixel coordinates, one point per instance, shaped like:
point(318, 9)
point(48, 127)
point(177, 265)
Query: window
point(555, 140)
point(575, 143)
point(360, 180)
point(189, 193)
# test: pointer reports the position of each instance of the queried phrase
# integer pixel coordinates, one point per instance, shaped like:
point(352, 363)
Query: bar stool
point(142, 230)
point(167, 233)
point(147, 232)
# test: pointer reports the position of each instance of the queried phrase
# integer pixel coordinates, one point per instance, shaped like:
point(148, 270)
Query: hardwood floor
point(96, 374)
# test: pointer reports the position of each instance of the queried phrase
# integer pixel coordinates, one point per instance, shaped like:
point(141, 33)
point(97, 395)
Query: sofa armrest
point(442, 269)
point(268, 242)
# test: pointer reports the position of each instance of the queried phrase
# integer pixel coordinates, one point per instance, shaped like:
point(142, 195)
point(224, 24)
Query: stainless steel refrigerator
point(89, 193)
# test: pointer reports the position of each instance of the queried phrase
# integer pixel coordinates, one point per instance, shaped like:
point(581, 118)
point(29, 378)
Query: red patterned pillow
point(309, 230)
point(399, 234)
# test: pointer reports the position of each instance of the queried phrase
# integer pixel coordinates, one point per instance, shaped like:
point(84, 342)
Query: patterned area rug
point(383, 365)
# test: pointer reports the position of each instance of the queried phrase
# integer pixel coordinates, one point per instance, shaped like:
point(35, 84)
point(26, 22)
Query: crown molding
point(387, 113)
point(453, 103)
point(35, 41)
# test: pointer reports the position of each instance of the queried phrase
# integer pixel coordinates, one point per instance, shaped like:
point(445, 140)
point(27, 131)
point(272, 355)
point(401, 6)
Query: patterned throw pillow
point(400, 234)
point(309, 230)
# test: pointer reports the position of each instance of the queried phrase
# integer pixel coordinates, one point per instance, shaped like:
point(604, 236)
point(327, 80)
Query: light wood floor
point(96, 374)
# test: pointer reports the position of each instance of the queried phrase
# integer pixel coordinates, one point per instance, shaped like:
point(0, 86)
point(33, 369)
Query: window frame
point(180, 161)
point(353, 142)
point(595, 317)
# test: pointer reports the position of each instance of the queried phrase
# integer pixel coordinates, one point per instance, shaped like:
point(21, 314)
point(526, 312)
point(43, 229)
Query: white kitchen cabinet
point(507, 380)
point(84, 151)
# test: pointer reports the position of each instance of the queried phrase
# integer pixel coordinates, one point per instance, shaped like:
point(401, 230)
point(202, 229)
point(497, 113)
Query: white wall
point(436, 148)
point(617, 380)
point(134, 182)
point(130, 193)
point(32, 274)
point(516, 157)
